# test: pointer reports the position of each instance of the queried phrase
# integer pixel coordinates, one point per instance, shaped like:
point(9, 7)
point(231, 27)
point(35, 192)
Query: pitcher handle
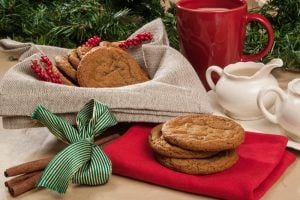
point(208, 77)
point(264, 21)
point(261, 105)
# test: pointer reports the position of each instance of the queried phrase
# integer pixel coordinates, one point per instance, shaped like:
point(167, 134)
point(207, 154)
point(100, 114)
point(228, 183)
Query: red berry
point(137, 40)
point(92, 42)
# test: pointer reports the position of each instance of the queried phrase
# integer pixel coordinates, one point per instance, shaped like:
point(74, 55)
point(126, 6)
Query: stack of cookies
point(106, 65)
point(197, 144)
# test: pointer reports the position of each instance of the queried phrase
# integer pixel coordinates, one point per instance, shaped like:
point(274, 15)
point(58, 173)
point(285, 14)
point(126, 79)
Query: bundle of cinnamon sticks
point(26, 175)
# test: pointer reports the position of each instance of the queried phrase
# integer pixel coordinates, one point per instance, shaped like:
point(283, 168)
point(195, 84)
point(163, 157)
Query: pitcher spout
point(264, 71)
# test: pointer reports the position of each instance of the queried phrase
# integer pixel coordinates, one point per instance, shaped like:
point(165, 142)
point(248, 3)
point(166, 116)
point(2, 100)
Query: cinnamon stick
point(28, 167)
point(18, 179)
point(31, 171)
point(42, 163)
point(24, 186)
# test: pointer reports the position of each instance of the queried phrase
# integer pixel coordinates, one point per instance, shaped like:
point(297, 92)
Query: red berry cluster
point(47, 74)
point(92, 42)
point(136, 40)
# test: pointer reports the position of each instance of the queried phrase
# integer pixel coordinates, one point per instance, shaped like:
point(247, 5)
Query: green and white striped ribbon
point(82, 161)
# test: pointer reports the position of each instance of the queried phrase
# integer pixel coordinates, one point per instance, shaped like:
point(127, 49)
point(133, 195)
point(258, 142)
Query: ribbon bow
point(82, 161)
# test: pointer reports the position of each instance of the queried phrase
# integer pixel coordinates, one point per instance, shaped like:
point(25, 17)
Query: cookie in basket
point(109, 67)
point(160, 146)
point(203, 132)
point(64, 79)
point(73, 58)
point(63, 64)
point(214, 164)
point(109, 44)
point(82, 50)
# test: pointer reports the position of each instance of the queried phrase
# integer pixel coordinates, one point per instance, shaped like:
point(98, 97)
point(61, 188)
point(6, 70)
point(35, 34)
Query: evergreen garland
point(285, 18)
point(68, 23)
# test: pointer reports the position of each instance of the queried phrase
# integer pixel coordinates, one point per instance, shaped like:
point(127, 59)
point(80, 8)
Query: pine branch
point(70, 23)
point(285, 18)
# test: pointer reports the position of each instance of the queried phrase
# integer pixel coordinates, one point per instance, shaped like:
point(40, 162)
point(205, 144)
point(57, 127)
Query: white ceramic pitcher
point(287, 114)
point(238, 87)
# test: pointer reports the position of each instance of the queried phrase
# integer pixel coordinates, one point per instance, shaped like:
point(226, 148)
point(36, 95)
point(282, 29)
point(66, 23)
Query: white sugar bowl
point(287, 114)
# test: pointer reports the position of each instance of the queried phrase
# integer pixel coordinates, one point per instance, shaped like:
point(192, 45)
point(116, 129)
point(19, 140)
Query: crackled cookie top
point(162, 147)
point(109, 67)
point(202, 132)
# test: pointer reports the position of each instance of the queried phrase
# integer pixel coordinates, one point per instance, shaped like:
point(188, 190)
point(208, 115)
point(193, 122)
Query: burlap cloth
point(174, 88)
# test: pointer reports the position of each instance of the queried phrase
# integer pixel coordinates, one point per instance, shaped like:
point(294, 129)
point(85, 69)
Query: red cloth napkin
point(262, 160)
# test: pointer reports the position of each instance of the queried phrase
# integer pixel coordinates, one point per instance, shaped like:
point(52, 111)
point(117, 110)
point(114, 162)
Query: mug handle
point(261, 105)
point(208, 72)
point(264, 21)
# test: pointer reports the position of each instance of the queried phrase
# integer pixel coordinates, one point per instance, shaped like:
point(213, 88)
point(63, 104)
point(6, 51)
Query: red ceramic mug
point(212, 32)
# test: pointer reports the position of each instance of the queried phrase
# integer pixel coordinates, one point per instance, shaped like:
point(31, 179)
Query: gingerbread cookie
point(105, 44)
point(62, 63)
point(64, 79)
point(202, 132)
point(116, 44)
point(82, 50)
point(109, 44)
point(73, 58)
point(214, 164)
point(109, 67)
point(160, 146)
